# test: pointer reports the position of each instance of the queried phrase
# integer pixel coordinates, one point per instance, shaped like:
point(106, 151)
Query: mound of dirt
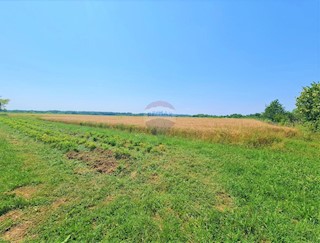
point(103, 161)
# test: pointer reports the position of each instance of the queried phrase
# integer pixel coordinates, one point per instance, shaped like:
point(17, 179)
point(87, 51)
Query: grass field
point(70, 183)
point(236, 131)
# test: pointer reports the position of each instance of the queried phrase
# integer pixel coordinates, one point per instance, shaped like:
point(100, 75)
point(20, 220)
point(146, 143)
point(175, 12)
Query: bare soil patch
point(26, 192)
point(108, 199)
point(24, 221)
point(103, 161)
point(17, 233)
point(18, 230)
point(133, 174)
point(13, 215)
point(154, 178)
point(56, 204)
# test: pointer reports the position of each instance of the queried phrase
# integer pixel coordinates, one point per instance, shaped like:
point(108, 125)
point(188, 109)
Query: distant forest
point(101, 113)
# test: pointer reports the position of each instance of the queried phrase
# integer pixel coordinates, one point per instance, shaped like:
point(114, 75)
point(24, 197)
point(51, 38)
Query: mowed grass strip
point(12, 177)
point(248, 132)
point(185, 190)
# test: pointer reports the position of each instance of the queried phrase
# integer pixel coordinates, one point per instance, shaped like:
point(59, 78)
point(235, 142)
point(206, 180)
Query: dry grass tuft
point(17, 233)
point(26, 192)
point(224, 202)
point(12, 215)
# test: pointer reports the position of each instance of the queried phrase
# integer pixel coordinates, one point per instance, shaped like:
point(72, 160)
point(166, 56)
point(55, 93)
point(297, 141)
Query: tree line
point(307, 109)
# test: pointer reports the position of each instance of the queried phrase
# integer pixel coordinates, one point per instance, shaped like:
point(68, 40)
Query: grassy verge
point(167, 189)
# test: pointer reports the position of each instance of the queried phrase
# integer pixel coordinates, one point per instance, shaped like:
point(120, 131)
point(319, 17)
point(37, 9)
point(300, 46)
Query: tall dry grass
point(223, 130)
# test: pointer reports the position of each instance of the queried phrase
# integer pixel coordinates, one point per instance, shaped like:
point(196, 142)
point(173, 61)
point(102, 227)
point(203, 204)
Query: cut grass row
point(67, 139)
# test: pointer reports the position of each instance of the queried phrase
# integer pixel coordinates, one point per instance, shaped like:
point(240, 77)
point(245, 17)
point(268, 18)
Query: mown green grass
point(11, 177)
point(170, 189)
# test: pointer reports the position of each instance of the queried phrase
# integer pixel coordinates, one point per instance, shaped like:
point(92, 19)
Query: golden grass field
point(228, 130)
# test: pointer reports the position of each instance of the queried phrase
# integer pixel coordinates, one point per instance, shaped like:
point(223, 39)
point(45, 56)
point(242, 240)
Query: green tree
point(3, 103)
point(308, 105)
point(275, 112)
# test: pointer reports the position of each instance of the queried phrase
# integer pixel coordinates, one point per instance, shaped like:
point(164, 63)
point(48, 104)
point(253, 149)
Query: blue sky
point(215, 57)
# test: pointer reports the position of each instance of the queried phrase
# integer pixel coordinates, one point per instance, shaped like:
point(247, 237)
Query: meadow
point(221, 130)
point(205, 180)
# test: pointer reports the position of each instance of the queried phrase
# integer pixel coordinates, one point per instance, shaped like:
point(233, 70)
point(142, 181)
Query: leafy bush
point(3, 103)
point(308, 106)
point(275, 112)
